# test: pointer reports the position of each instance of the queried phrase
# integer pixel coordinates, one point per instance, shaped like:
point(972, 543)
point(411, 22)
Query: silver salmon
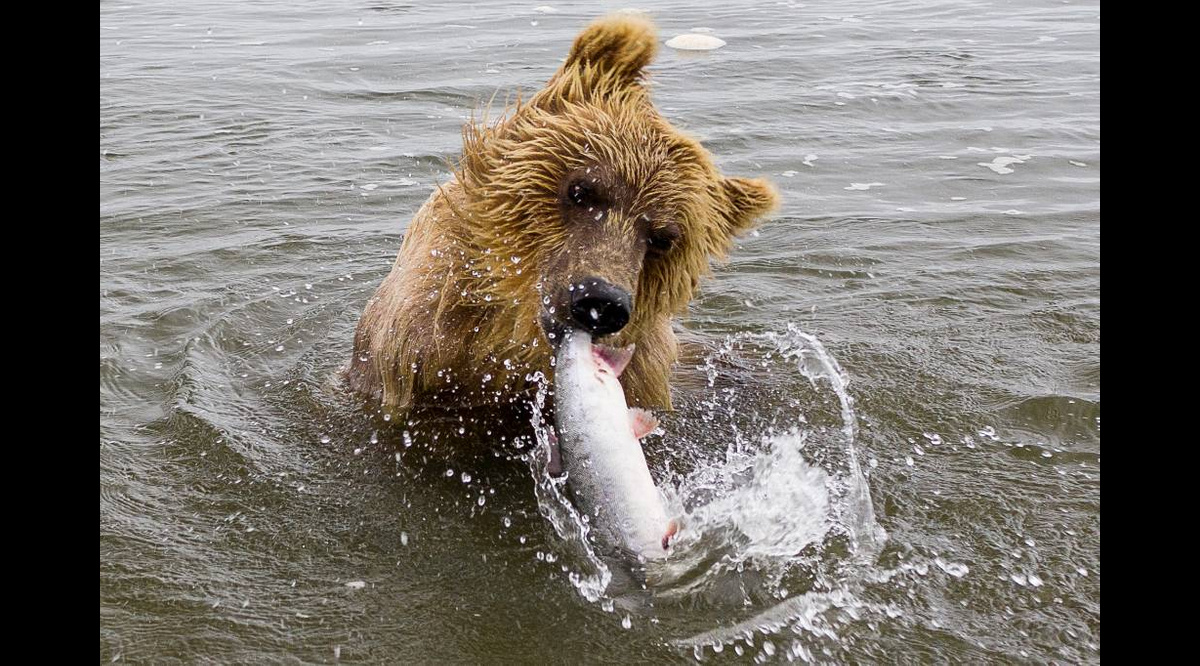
point(598, 443)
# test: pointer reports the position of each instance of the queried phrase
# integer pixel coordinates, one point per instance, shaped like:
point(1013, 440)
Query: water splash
point(851, 505)
point(785, 514)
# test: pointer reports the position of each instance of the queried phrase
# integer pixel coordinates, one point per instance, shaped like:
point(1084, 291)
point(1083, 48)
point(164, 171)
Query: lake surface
point(887, 445)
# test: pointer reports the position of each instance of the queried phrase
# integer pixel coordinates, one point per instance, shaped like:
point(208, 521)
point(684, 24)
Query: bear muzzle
point(599, 307)
point(591, 304)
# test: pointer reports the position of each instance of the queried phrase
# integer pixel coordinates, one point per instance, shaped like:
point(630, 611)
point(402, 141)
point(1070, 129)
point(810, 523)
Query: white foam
point(695, 42)
point(956, 569)
point(1000, 164)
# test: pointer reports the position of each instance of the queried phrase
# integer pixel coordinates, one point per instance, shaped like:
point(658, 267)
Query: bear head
point(596, 212)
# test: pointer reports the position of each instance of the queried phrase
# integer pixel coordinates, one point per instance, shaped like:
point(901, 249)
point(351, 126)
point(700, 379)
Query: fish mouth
point(557, 332)
point(614, 359)
point(607, 358)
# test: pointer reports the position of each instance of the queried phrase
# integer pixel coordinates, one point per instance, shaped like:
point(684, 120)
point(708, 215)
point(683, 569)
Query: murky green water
point(940, 169)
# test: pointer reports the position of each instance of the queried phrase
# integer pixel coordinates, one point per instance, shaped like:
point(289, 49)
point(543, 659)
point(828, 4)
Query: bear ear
point(608, 56)
point(748, 199)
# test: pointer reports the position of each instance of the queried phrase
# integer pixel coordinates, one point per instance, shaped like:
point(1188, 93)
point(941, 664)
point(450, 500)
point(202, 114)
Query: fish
point(599, 450)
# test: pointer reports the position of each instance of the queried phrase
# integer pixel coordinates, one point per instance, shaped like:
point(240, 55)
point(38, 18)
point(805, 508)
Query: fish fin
point(554, 465)
point(642, 421)
point(672, 529)
point(616, 358)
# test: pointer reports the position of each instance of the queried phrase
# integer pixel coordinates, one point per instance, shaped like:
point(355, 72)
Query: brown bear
point(580, 207)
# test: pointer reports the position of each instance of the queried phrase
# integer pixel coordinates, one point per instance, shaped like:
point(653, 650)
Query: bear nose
point(600, 307)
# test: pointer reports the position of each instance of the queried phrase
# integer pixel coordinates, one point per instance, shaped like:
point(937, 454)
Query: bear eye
point(662, 240)
point(583, 193)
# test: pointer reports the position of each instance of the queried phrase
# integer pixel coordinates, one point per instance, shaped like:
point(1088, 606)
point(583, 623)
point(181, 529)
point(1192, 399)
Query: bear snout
point(599, 307)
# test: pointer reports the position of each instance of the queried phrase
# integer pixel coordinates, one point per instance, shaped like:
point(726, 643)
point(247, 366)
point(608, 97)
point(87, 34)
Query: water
point(920, 325)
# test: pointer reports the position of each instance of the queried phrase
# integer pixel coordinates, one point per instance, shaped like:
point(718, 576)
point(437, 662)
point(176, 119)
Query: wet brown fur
point(457, 320)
